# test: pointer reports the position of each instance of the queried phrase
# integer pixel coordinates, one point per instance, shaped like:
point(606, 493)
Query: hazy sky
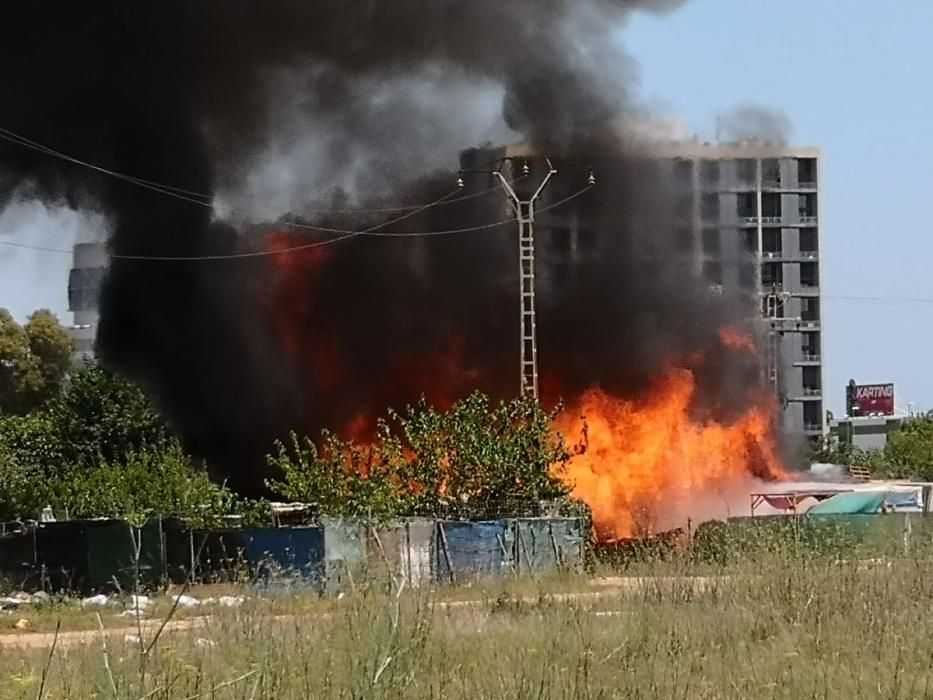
point(853, 77)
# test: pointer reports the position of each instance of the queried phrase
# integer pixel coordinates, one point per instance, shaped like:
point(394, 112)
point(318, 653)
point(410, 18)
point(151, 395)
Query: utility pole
point(774, 310)
point(525, 215)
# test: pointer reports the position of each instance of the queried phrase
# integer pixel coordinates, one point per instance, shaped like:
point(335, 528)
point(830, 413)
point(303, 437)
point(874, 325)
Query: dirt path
point(605, 588)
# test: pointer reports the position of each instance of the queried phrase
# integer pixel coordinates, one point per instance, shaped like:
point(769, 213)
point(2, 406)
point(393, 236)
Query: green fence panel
point(112, 548)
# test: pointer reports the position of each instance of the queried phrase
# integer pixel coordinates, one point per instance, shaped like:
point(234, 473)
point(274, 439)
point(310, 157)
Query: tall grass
point(786, 627)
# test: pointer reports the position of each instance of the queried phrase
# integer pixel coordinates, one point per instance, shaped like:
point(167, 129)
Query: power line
point(199, 198)
point(371, 232)
point(880, 300)
point(346, 235)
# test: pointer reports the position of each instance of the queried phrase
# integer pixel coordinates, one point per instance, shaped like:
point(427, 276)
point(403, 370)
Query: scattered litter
point(132, 612)
point(186, 601)
point(96, 601)
point(230, 601)
point(10, 603)
point(22, 625)
point(132, 639)
point(201, 642)
point(138, 601)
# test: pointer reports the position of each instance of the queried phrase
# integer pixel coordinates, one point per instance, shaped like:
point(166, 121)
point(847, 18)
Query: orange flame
point(734, 340)
point(647, 464)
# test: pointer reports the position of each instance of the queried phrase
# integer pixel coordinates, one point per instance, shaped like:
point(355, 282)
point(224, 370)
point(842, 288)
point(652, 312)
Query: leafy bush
point(101, 449)
point(475, 458)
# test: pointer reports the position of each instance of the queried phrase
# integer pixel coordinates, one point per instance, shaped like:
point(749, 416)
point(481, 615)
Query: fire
point(646, 464)
point(736, 341)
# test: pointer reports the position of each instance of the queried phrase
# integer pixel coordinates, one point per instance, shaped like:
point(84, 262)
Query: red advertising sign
point(870, 399)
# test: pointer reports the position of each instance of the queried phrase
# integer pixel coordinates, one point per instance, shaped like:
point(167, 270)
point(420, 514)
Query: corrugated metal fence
point(328, 557)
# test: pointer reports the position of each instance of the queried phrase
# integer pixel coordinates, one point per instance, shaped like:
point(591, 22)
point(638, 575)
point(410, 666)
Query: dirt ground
point(600, 589)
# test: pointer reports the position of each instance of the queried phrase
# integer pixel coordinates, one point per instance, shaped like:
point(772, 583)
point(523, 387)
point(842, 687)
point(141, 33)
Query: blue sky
point(854, 78)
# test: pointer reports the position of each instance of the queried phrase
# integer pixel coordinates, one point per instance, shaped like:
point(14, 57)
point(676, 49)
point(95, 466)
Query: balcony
point(806, 219)
point(806, 185)
point(772, 255)
point(813, 429)
point(809, 255)
point(765, 220)
point(808, 325)
point(812, 392)
point(809, 358)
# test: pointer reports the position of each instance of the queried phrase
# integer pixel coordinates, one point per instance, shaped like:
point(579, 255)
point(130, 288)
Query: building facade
point(754, 202)
point(84, 286)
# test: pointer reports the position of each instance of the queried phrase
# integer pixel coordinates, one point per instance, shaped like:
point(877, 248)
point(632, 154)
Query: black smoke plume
point(262, 106)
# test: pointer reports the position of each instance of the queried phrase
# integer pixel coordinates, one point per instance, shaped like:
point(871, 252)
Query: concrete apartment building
point(756, 202)
point(84, 284)
point(746, 220)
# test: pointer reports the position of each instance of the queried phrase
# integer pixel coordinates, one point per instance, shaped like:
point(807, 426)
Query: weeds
point(785, 628)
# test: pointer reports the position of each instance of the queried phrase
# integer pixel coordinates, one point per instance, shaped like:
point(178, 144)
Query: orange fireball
point(645, 465)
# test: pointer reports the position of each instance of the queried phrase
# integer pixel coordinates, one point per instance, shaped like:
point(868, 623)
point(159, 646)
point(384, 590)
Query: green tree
point(909, 450)
point(152, 480)
point(473, 459)
point(51, 350)
point(102, 417)
point(34, 361)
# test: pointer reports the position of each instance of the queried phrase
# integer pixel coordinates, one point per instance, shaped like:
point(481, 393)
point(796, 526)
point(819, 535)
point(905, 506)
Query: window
point(746, 171)
point(812, 416)
point(811, 378)
point(810, 309)
point(770, 173)
point(746, 205)
point(709, 207)
point(809, 275)
point(711, 244)
point(771, 240)
point(810, 345)
point(772, 275)
point(771, 205)
point(806, 172)
point(807, 206)
point(709, 173)
point(808, 240)
point(684, 207)
point(750, 240)
point(683, 172)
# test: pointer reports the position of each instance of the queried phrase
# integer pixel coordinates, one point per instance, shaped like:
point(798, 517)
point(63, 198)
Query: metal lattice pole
point(525, 214)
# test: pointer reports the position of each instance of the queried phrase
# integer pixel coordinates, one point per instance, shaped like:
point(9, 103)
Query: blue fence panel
point(470, 550)
point(285, 552)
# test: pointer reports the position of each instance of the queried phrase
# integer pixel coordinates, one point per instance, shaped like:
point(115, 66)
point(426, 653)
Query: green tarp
point(855, 503)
